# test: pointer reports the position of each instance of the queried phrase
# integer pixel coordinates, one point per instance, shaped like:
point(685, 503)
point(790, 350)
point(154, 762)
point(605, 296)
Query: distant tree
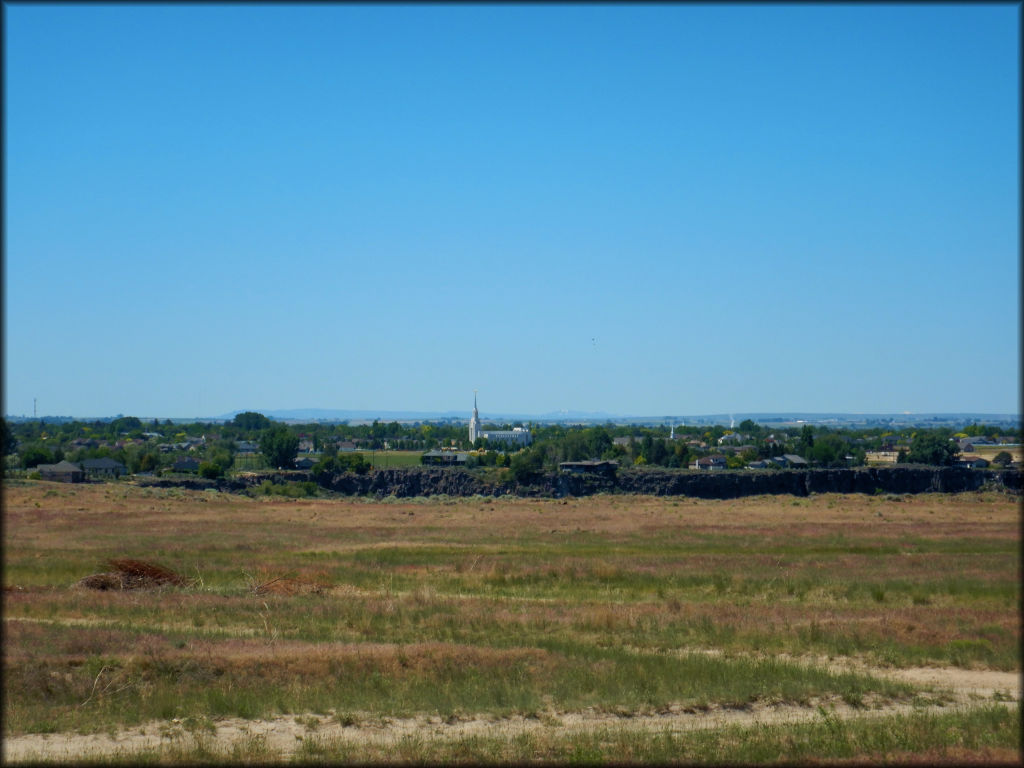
point(659, 453)
point(748, 426)
point(250, 421)
point(860, 457)
point(932, 448)
point(149, 461)
point(1003, 459)
point(829, 450)
point(34, 455)
point(278, 445)
point(7, 441)
point(210, 470)
point(353, 462)
point(222, 457)
point(125, 424)
point(806, 441)
point(526, 464)
point(342, 462)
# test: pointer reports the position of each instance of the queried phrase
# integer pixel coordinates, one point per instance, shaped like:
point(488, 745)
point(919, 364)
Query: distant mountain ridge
point(329, 414)
point(761, 417)
point(591, 417)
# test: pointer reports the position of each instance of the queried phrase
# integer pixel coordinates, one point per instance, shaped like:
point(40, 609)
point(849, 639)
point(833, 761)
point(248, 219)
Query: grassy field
point(356, 614)
point(991, 451)
point(393, 459)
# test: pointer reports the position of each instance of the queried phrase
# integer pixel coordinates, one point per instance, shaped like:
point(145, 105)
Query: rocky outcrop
point(666, 482)
point(416, 482)
point(425, 481)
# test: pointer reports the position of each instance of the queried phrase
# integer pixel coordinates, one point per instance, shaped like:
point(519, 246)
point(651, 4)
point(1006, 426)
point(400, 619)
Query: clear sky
point(661, 209)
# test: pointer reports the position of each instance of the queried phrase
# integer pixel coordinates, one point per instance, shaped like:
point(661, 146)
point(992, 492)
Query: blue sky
point(663, 209)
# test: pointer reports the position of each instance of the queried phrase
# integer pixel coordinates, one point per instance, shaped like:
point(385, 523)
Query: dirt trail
point(964, 684)
point(283, 736)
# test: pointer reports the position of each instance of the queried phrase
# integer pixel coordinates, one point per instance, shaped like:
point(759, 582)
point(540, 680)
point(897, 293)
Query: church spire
point(474, 423)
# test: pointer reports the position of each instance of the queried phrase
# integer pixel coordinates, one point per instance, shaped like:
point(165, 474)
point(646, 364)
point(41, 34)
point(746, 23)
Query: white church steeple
point(474, 423)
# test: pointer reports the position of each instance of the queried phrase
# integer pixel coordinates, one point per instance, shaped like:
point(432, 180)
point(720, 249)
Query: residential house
point(305, 463)
point(186, 464)
point(103, 468)
point(593, 466)
point(709, 462)
point(970, 443)
point(61, 472)
point(790, 461)
point(970, 462)
point(881, 457)
point(444, 458)
point(732, 449)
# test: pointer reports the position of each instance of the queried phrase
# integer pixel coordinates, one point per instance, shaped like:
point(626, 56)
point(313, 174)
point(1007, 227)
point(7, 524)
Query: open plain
point(610, 628)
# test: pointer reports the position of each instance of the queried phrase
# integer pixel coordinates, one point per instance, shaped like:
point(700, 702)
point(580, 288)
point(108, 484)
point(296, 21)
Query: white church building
point(517, 436)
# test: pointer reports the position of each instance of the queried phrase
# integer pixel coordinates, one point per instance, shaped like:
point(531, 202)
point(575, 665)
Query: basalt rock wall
point(404, 483)
point(728, 485)
point(706, 485)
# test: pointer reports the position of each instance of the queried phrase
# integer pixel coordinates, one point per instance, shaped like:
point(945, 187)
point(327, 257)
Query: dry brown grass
point(303, 590)
point(102, 508)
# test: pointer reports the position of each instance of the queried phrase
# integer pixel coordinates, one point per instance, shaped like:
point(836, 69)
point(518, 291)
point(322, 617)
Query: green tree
point(1003, 459)
point(342, 462)
point(222, 457)
point(7, 440)
point(125, 424)
point(34, 455)
point(860, 457)
point(210, 470)
point(932, 448)
point(278, 445)
point(250, 421)
point(828, 451)
point(149, 461)
point(526, 464)
point(806, 441)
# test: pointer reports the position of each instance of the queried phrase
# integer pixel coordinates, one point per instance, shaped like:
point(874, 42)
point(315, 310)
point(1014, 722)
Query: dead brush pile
point(265, 583)
point(127, 573)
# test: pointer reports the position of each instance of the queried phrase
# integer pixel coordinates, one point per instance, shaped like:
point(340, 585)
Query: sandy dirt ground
point(283, 736)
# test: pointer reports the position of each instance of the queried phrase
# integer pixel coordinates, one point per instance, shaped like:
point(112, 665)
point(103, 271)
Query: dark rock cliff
point(425, 481)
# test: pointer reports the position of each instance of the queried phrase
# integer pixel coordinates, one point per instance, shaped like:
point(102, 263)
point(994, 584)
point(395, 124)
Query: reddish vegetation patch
point(133, 574)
